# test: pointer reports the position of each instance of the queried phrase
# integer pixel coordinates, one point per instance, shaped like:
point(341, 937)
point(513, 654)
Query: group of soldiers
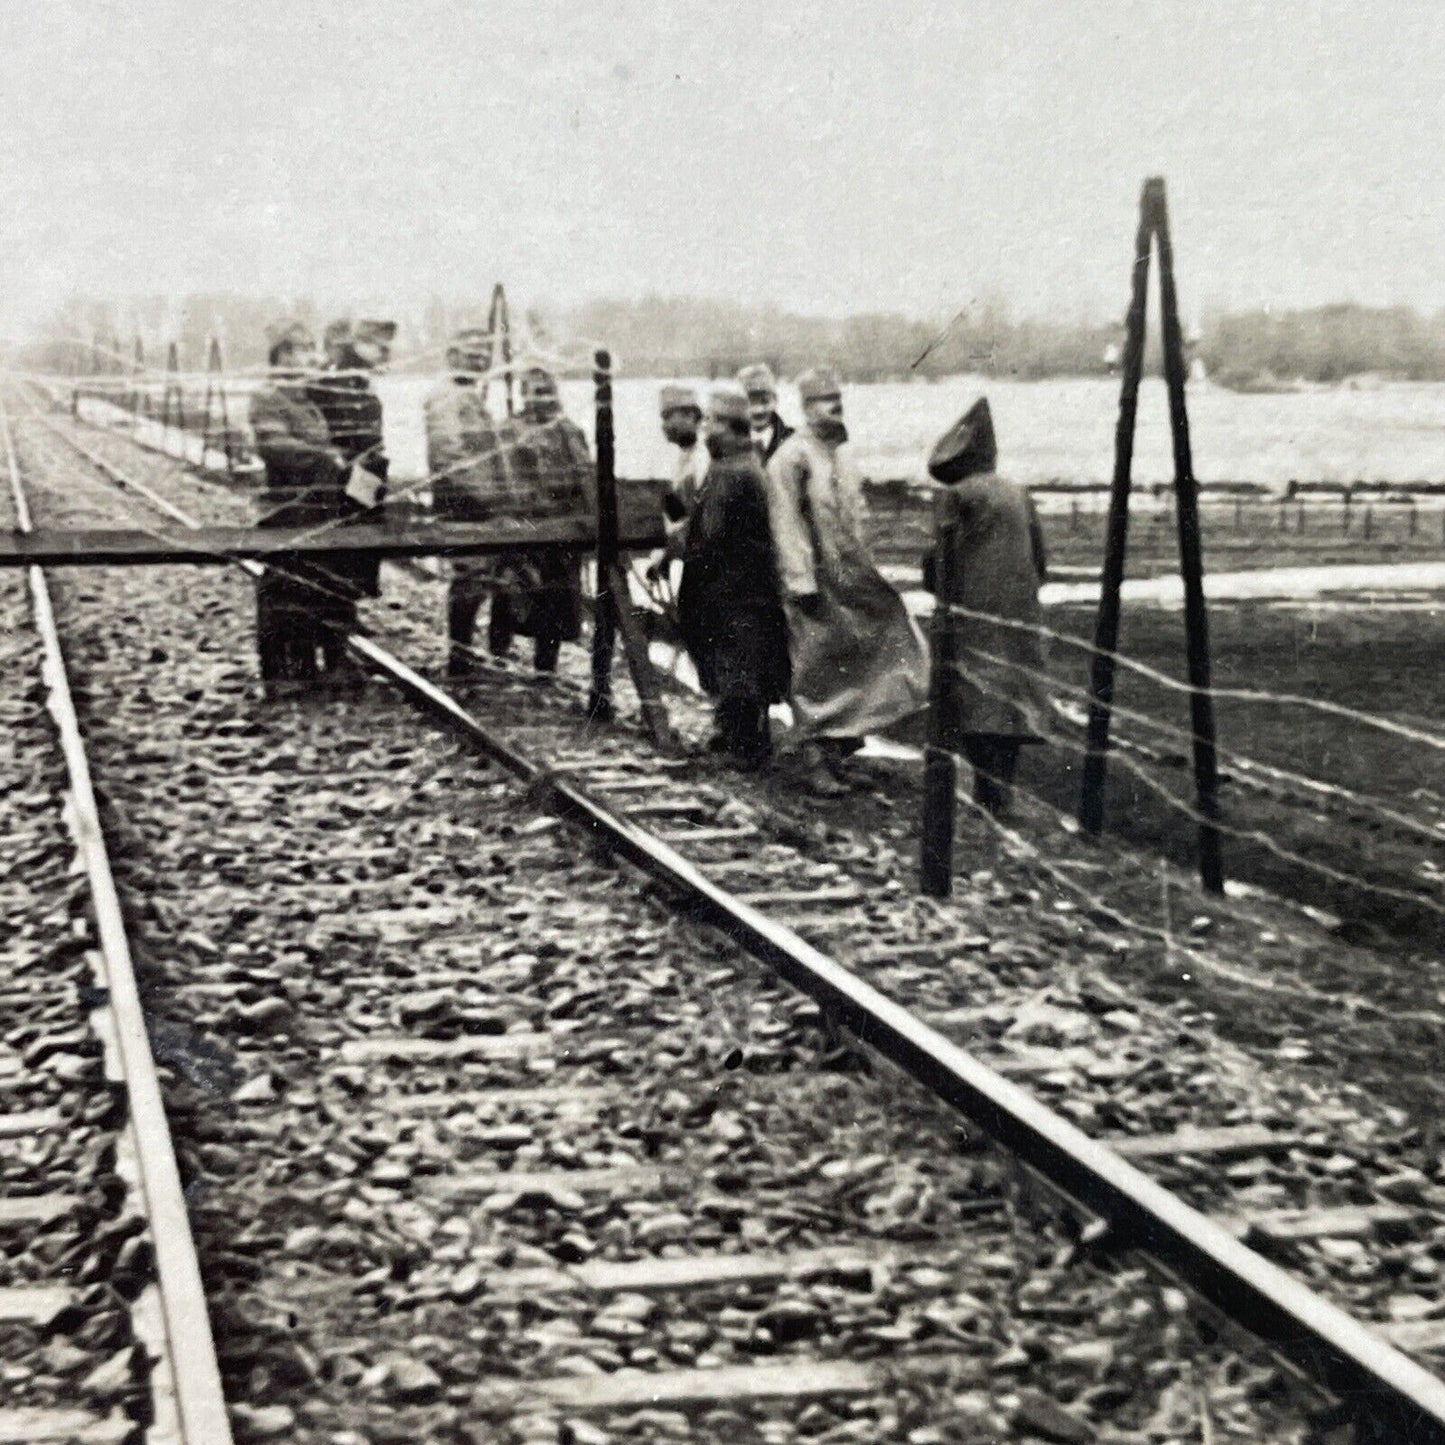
point(317, 429)
point(779, 597)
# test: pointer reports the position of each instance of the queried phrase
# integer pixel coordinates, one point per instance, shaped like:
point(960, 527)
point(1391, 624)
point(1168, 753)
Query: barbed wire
point(1431, 830)
point(1384, 724)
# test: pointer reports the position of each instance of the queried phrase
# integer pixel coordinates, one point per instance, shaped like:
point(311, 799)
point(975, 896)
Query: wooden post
point(173, 390)
point(604, 616)
point(499, 324)
point(1106, 627)
point(940, 767)
point(1191, 557)
point(216, 395)
point(137, 371)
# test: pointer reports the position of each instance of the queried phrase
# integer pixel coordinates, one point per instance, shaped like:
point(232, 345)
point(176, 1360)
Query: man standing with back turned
point(859, 661)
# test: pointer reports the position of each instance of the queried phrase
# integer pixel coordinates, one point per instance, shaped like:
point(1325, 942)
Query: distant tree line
point(686, 336)
point(1324, 344)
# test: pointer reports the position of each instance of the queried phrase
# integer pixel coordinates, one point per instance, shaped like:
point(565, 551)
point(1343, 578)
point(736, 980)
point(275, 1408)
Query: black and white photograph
point(722, 723)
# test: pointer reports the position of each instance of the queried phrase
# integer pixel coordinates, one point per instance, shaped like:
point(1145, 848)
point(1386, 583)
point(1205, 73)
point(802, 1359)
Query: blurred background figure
point(769, 430)
point(462, 446)
point(539, 594)
point(305, 475)
point(730, 604)
point(994, 700)
point(343, 395)
point(859, 661)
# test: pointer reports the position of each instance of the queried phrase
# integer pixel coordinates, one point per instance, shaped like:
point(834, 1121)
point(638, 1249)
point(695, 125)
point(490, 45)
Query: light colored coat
point(859, 661)
point(807, 478)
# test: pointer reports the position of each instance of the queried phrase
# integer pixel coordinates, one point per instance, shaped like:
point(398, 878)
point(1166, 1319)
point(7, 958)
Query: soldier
point(525, 470)
point(304, 476)
point(464, 460)
point(859, 661)
point(730, 605)
point(681, 423)
point(539, 594)
point(994, 700)
point(343, 395)
point(769, 430)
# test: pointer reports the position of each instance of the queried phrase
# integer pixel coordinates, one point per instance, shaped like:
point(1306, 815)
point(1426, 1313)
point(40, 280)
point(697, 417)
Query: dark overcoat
point(303, 488)
point(353, 418)
point(730, 603)
point(998, 564)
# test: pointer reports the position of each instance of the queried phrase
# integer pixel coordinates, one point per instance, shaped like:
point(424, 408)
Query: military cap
point(538, 381)
point(758, 377)
point(728, 402)
point(966, 448)
point(337, 333)
point(379, 333)
point(289, 333)
point(673, 397)
point(819, 382)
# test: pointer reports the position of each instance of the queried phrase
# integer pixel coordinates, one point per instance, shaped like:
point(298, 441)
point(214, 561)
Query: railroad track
point(642, 1235)
point(105, 1318)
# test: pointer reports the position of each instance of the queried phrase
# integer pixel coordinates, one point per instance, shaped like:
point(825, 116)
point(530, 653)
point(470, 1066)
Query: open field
point(1382, 879)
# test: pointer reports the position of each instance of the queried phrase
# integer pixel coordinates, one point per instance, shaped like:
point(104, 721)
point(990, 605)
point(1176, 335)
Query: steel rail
point(190, 1347)
point(1392, 1397)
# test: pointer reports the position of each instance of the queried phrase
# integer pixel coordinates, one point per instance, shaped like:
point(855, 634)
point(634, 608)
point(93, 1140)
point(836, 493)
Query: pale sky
point(829, 157)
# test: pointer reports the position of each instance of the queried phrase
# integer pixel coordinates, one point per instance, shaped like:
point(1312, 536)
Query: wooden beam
point(125, 547)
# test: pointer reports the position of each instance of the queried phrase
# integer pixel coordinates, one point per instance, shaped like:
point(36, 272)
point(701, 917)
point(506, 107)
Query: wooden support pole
point(1106, 627)
point(1191, 556)
point(604, 616)
point(173, 391)
point(499, 325)
point(216, 400)
point(940, 767)
point(137, 371)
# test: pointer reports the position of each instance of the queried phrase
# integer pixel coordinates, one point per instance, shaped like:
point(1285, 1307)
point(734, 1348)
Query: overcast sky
point(827, 157)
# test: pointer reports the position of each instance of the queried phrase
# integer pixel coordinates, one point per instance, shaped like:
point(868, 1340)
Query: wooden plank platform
point(1233, 1139)
point(1350, 1221)
point(134, 547)
point(32, 1209)
point(729, 1384)
point(707, 1271)
point(620, 1179)
point(34, 1426)
point(36, 1305)
point(33, 1121)
point(501, 1047)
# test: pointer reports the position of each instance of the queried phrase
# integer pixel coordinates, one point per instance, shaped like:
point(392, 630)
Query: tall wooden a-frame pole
point(1154, 230)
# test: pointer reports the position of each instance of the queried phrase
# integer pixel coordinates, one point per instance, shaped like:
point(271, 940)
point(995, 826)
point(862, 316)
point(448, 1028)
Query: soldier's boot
point(499, 628)
point(462, 609)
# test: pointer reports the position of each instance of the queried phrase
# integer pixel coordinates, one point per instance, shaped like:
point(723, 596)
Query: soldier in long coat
point(343, 395)
point(730, 604)
point(994, 701)
point(305, 475)
point(859, 661)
